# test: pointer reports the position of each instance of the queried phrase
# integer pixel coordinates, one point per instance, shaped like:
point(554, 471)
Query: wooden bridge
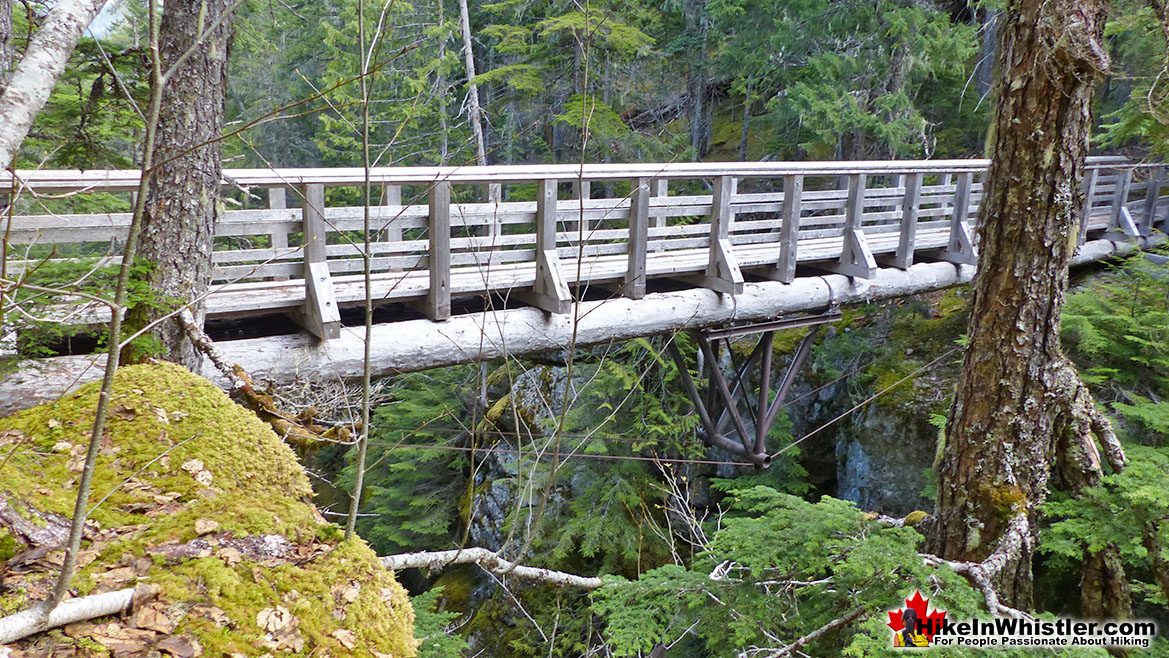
point(659, 246)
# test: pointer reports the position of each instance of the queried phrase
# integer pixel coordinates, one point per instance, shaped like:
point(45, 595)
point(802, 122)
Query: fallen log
point(489, 561)
point(29, 622)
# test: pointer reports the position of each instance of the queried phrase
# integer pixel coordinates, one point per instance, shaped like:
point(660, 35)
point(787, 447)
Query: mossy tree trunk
point(1020, 403)
point(183, 205)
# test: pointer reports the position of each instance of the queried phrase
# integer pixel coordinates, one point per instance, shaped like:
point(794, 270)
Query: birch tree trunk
point(43, 62)
point(474, 110)
point(5, 42)
point(1018, 397)
point(183, 206)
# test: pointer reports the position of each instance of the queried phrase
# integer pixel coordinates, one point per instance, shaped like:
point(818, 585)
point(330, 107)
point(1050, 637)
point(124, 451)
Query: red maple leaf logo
point(931, 619)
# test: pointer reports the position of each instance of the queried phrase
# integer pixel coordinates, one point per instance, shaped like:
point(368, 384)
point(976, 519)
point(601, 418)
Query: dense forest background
point(476, 455)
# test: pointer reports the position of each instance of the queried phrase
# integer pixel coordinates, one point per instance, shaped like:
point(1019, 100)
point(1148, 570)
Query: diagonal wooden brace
point(320, 315)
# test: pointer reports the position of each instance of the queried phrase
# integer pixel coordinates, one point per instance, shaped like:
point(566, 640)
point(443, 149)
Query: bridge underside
point(421, 344)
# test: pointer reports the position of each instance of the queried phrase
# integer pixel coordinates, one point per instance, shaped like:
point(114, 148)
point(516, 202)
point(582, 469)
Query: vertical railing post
point(856, 259)
point(789, 229)
point(1152, 197)
point(1090, 177)
point(638, 237)
point(910, 205)
point(659, 189)
point(279, 237)
point(960, 246)
point(392, 200)
point(722, 269)
point(550, 290)
point(1120, 223)
point(582, 192)
point(320, 313)
point(438, 297)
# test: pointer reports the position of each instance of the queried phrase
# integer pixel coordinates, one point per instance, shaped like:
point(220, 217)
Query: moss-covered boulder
point(200, 505)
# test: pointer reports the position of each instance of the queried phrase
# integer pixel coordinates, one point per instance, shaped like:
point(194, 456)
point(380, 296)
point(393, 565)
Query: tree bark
point(5, 42)
point(43, 62)
point(696, 84)
point(1018, 395)
point(183, 206)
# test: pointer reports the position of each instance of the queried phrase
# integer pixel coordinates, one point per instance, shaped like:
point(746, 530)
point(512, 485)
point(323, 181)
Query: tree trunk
point(43, 62)
point(1018, 396)
point(182, 205)
point(474, 109)
point(5, 42)
point(696, 87)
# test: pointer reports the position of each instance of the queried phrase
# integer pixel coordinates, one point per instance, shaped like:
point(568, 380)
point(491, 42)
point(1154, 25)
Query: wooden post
point(789, 230)
point(638, 236)
point(659, 188)
point(320, 314)
point(960, 248)
point(856, 259)
point(910, 205)
point(279, 237)
point(438, 297)
point(722, 270)
point(1120, 224)
point(392, 198)
point(1086, 210)
point(1152, 199)
point(582, 192)
point(550, 291)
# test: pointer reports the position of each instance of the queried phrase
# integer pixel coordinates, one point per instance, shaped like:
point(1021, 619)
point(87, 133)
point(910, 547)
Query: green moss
point(179, 450)
point(8, 545)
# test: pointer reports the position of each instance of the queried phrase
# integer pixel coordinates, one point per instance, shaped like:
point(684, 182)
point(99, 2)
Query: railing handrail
point(123, 180)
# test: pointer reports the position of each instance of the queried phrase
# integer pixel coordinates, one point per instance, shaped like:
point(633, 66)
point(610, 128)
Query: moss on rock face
point(204, 502)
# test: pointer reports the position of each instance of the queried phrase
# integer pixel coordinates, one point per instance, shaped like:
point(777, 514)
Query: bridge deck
point(561, 229)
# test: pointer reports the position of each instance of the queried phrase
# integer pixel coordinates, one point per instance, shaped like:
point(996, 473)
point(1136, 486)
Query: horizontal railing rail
point(558, 228)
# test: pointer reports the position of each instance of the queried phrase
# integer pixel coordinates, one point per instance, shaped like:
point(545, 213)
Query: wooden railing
point(561, 229)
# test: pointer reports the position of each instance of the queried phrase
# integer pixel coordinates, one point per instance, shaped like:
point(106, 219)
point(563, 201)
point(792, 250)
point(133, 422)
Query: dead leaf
point(62, 446)
point(272, 620)
point(124, 412)
point(181, 646)
point(203, 478)
point(205, 526)
point(54, 423)
point(345, 637)
point(161, 416)
point(192, 466)
point(153, 617)
point(230, 556)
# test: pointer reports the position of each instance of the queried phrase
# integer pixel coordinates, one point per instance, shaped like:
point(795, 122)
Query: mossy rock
point(204, 504)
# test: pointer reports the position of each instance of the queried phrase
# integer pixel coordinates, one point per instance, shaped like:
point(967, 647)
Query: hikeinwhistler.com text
point(1044, 633)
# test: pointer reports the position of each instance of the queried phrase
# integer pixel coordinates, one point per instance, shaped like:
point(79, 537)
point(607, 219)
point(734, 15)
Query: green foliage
point(1128, 510)
point(433, 627)
point(1116, 328)
point(777, 554)
point(415, 494)
point(1140, 113)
